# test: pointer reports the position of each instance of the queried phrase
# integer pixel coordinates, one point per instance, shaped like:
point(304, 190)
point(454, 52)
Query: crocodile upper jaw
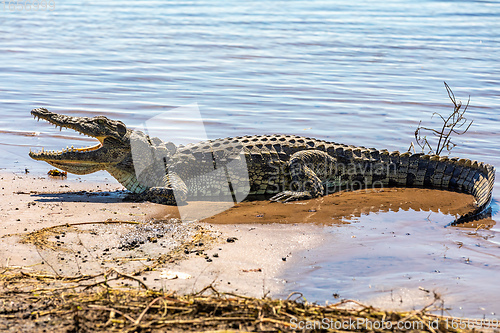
point(83, 160)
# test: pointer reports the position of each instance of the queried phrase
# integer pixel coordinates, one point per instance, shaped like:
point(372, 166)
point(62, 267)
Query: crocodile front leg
point(173, 191)
point(306, 168)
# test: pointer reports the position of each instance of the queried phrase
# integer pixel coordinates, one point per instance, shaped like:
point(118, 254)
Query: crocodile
point(282, 167)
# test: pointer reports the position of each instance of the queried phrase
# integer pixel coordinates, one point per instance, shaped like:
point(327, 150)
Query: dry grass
point(34, 302)
point(115, 310)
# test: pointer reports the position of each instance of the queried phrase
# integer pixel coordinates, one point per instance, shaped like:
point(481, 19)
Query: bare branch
point(451, 125)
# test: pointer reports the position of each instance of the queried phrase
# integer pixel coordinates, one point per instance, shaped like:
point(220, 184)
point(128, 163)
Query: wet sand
point(340, 207)
point(245, 249)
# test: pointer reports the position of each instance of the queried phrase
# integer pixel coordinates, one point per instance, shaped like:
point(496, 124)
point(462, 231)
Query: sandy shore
point(249, 264)
point(244, 249)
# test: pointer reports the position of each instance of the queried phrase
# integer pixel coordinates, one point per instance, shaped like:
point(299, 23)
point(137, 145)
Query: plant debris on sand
point(114, 310)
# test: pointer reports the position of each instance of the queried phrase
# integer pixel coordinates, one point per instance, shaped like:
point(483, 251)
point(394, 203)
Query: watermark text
point(351, 324)
point(27, 6)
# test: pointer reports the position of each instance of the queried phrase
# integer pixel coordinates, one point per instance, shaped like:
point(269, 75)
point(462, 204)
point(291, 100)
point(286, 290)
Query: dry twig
point(453, 124)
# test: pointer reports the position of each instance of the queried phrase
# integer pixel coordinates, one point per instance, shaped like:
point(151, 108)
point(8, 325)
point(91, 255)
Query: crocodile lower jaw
point(64, 154)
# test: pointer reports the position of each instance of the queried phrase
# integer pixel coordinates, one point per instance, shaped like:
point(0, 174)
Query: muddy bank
point(73, 227)
point(342, 206)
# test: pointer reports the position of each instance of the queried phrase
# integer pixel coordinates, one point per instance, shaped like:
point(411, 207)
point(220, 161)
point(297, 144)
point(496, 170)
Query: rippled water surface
point(355, 72)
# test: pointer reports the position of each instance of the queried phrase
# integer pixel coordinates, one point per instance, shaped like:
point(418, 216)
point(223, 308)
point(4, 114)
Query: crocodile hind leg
point(172, 191)
point(306, 168)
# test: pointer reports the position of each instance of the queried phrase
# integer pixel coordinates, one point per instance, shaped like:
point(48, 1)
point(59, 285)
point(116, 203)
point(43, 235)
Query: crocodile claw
point(287, 196)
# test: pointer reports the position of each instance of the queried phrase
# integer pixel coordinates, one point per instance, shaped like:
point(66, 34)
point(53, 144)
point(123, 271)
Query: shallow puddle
point(403, 260)
point(393, 248)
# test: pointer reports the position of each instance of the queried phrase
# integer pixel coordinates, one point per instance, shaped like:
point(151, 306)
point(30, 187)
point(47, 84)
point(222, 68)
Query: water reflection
point(346, 206)
point(399, 261)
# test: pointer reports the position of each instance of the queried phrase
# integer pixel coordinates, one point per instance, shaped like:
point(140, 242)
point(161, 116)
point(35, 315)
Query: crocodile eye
point(121, 129)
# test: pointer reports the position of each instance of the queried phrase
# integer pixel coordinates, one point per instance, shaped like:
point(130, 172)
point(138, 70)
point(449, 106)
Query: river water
point(355, 72)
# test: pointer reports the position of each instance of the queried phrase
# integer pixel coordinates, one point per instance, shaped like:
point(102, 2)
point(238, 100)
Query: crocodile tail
point(421, 170)
point(479, 182)
point(432, 171)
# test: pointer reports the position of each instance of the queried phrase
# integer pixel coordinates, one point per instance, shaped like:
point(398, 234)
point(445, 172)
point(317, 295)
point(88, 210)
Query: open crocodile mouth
point(70, 152)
